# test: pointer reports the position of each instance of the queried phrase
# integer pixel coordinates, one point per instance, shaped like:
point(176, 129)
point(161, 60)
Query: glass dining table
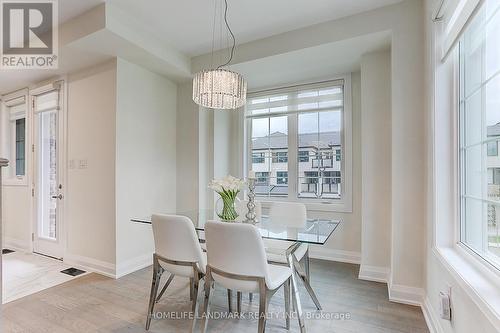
point(314, 231)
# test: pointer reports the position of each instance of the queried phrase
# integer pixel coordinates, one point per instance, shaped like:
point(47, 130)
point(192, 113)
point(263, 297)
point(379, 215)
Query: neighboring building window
point(492, 148)
point(315, 115)
point(258, 157)
point(262, 178)
point(280, 157)
point(303, 156)
point(479, 127)
point(281, 177)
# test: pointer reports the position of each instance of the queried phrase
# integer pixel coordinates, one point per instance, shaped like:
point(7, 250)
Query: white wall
point(187, 149)
point(16, 201)
point(376, 165)
point(146, 110)
point(90, 194)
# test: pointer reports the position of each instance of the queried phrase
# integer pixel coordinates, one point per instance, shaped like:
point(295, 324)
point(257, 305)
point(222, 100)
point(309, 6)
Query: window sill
point(316, 206)
point(479, 282)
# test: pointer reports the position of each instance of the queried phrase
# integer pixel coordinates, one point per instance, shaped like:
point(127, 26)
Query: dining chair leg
point(194, 307)
point(157, 272)
point(296, 296)
point(262, 307)
point(191, 290)
point(238, 302)
point(305, 281)
point(307, 265)
point(170, 278)
point(206, 307)
point(230, 300)
point(287, 303)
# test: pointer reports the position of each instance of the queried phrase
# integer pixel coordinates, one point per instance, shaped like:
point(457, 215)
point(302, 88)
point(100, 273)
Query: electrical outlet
point(445, 304)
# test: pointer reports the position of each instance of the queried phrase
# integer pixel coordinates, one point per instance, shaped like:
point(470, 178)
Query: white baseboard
point(16, 244)
point(134, 264)
point(431, 318)
point(335, 255)
point(90, 264)
point(406, 295)
point(374, 273)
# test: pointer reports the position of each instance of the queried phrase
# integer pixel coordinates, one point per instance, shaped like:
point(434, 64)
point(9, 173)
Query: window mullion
point(293, 157)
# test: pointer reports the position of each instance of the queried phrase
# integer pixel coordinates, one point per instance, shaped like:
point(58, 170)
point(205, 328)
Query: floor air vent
point(73, 271)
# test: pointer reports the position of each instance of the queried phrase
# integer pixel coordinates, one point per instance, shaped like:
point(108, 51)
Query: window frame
point(342, 204)
point(467, 251)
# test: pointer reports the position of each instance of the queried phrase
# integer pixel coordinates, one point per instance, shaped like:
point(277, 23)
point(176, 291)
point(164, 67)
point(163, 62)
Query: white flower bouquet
point(228, 189)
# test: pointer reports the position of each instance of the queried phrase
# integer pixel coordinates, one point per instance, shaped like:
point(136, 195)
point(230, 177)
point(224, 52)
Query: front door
point(48, 187)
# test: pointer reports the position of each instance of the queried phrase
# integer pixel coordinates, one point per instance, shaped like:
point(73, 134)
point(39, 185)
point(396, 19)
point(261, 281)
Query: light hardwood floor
point(94, 303)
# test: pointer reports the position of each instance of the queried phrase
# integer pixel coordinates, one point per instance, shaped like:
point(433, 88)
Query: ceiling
point(69, 9)
point(188, 25)
point(318, 63)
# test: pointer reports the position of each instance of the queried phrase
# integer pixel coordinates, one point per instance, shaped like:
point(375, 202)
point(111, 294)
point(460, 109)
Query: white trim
point(405, 294)
point(16, 244)
point(480, 284)
point(133, 265)
point(463, 12)
point(430, 317)
point(323, 253)
point(90, 264)
point(374, 273)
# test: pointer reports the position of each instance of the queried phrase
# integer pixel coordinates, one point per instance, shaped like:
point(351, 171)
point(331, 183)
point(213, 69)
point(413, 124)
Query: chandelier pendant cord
point(232, 37)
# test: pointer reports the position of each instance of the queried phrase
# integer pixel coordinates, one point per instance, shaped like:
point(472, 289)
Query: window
point(479, 134)
point(262, 178)
point(303, 156)
point(308, 121)
point(492, 148)
point(320, 132)
point(280, 157)
point(281, 177)
point(258, 157)
point(20, 146)
point(16, 116)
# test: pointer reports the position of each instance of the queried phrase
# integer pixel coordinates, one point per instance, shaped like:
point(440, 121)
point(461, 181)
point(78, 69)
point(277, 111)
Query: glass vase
point(227, 209)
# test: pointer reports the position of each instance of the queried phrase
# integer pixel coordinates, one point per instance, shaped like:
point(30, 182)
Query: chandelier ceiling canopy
point(220, 88)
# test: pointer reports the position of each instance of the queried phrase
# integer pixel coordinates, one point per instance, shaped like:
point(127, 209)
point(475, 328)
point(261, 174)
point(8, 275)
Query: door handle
point(60, 196)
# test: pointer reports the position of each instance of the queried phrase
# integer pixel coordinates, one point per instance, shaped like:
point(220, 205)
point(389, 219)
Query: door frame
point(61, 84)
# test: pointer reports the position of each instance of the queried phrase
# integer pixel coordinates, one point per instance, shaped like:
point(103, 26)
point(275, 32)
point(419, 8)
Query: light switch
point(83, 164)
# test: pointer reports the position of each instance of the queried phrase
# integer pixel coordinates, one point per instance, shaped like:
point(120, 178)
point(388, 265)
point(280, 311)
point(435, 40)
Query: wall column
point(3, 163)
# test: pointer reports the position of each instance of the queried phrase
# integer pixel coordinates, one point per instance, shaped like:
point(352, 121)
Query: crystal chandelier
point(220, 88)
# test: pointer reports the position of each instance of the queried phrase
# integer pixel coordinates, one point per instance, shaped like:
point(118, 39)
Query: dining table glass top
point(311, 231)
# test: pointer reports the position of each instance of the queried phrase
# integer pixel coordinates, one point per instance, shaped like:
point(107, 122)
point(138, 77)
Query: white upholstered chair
point(177, 251)
point(291, 215)
point(237, 261)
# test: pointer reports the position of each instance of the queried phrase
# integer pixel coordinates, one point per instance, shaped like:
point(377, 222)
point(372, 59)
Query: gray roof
point(493, 130)
point(279, 140)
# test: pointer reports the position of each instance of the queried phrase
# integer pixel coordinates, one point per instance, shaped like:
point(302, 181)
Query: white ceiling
point(69, 9)
point(187, 24)
point(318, 63)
